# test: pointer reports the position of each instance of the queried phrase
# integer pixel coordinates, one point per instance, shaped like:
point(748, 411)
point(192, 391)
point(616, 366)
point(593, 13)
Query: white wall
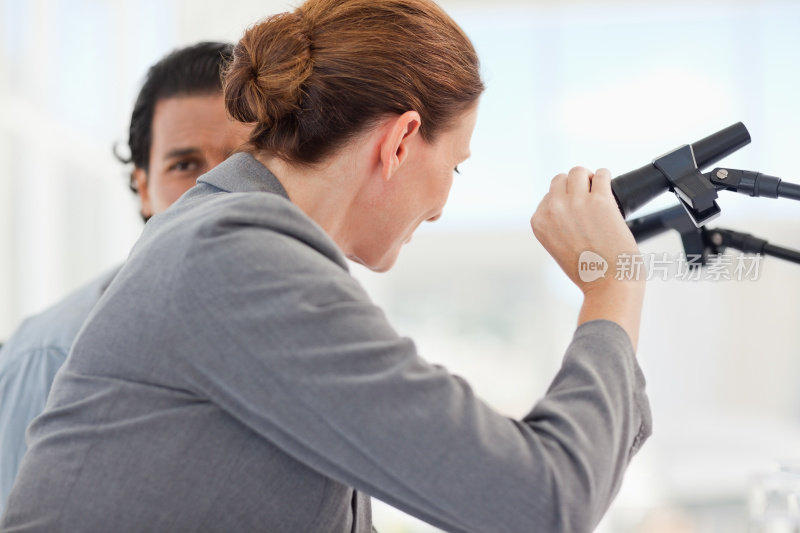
point(599, 84)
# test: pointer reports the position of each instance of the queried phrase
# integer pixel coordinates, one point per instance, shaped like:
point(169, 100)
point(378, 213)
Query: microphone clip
point(694, 190)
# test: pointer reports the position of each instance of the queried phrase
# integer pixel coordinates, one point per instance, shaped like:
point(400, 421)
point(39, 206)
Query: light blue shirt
point(28, 363)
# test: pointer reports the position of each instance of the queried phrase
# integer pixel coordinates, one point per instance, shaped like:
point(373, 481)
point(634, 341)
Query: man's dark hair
point(190, 71)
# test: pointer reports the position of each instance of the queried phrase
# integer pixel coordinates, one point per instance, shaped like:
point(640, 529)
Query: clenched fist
point(577, 221)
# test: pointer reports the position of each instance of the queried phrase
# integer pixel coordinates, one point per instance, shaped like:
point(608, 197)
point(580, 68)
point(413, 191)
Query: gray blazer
point(236, 377)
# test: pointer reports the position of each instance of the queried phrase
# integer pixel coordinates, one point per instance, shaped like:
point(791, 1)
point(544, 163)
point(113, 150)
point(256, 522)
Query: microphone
point(679, 171)
point(653, 224)
point(698, 243)
point(673, 218)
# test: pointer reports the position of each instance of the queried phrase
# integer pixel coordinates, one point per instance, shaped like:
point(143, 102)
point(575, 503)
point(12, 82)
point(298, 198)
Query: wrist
point(615, 300)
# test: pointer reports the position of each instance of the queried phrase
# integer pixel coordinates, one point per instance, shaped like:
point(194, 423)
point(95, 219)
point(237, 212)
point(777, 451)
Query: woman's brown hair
point(312, 79)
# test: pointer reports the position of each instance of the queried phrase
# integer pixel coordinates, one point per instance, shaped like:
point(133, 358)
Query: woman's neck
point(325, 192)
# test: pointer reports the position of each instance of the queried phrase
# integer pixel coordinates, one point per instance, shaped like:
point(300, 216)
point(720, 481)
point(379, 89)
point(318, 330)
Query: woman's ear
point(396, 144)
point(140, 179)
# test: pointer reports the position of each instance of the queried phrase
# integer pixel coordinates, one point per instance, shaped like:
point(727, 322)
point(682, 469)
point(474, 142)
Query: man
point(178, 131)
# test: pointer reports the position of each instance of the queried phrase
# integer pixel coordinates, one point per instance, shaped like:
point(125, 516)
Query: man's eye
point(184, 166)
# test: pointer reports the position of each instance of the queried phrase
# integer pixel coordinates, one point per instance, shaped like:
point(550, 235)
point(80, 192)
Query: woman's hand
point(577, 221)
point(579, 215)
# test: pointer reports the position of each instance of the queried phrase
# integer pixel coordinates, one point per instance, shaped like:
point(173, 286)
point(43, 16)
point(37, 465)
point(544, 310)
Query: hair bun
point(264, 81)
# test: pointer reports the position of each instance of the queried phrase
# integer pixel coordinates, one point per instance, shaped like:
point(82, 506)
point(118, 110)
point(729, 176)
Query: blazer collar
point(242, 172)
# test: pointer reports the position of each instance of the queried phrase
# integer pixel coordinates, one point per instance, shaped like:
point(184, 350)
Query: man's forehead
point(197, 106)
point(186, 122)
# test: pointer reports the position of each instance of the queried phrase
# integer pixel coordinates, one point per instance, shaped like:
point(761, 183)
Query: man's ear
point(395, 145)
point(140, 179)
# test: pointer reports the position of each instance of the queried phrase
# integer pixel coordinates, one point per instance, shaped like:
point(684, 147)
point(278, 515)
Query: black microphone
point(698, 243)
point(673, 218)
point(678, 171)
point(653, 224)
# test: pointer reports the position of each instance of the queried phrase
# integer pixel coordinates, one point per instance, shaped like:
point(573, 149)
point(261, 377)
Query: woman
point(248, 383)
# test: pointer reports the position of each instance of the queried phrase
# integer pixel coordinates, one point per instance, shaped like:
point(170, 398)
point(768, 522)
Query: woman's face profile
point(418, 193)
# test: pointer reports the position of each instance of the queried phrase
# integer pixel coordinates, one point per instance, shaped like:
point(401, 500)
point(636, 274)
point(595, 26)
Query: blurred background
point(607, 83)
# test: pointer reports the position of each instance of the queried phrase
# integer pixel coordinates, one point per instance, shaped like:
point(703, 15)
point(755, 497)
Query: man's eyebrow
point(181, 152)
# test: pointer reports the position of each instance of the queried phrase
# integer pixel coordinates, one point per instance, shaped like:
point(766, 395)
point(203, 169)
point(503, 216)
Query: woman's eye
point(456, 170)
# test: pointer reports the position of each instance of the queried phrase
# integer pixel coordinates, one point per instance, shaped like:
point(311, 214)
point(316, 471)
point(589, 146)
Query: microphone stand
point(679, 171)
point(702, 242)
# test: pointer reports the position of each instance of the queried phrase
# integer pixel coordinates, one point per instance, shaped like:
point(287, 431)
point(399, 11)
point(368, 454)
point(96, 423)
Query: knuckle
point(602, 173)
point(578, 170)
